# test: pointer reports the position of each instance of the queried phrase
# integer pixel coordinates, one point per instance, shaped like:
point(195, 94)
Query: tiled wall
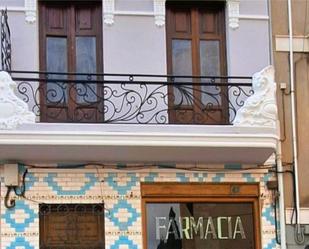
point(120, 191)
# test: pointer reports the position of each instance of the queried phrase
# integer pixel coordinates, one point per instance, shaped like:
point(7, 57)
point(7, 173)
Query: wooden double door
point(70, 41)
point(196, 47)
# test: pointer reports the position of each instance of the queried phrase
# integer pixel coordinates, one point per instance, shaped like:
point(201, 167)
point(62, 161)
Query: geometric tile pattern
point(89, 183)
point(21, 210)
point(20, 243)
point(268, 214)
point(271, 244)
point(248, 177)
point(218, 177)
point(121, 187)
point(182, 177)
point(124, 209)
point(123, 242)
point(151, 177)
point(120, 192)
point(200, 177)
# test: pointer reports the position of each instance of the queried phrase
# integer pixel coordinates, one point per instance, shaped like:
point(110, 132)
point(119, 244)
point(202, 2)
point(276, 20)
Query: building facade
point(290, 42)
point(138, 124)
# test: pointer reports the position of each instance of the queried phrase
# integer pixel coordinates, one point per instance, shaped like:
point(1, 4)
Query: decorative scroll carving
point(260, 109)
point(13, 111)
point(233, 13)
point(159, 12)
point(108, 11)
point(30, 11)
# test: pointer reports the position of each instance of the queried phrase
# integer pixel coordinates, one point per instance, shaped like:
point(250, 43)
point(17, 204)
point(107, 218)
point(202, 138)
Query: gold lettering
point(172, 229)
point(185, 228)
point(230, 232)
point(158, 226)
point(219, 224)
point(196, 227)
point(210, 228)
point(239, 226)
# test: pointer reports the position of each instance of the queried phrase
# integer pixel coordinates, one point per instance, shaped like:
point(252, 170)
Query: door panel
point(71, 41)
point(72, 226)
point(201, 26)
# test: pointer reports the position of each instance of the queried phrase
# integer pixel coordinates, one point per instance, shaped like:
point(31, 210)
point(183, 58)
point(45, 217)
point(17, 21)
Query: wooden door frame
point(195, 49)
point(71, 48)
point(166, 192)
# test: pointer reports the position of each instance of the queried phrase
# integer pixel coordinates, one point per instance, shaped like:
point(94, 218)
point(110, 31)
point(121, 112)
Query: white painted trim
point(141, 139)
point(31, 11)
point(300, 43)
point(13, 8)
point(159, 12)
point(254, 17)
point(29, 8)
point(108, 11)
point(233, 13)
point(304, 214)
point(154, 135)
point(133, 13)
point(128, 143)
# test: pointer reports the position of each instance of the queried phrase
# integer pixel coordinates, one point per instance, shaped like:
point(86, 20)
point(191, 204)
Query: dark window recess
point(71, 226)
point(196, 46)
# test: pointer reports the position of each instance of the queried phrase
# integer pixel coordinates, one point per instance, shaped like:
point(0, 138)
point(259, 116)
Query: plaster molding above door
point(108, 11)
point(159, 12)
point(30, 11)
point(233, 13)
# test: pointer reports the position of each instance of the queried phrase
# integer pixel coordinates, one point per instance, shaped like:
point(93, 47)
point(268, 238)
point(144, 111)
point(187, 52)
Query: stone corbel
point(233, 13)
point(108, 11)
point(159, 12)
point(260, 109)
point(30, 11)
point(13, 111)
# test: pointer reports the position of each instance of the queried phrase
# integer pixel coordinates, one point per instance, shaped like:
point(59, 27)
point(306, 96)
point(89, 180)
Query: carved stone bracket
point(233, 13)
point(260, 109)
point(13, 111)
point(30, 11)
point(108, 11)
point(159, 12)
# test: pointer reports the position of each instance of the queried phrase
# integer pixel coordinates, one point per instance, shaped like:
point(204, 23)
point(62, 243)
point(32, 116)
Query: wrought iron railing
point(5, 42)
point(142, 99)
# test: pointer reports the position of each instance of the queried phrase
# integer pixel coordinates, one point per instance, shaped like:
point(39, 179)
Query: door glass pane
point(86, 63)
point(182, 65)
point(56, 61)
point(190, 225)
point(210, 66)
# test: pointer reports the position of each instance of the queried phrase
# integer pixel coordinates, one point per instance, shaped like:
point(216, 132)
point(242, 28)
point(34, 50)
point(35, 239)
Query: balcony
point(132, 99)
point(52, 117)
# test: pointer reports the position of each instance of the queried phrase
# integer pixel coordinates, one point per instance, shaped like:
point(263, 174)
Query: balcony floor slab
point(129, 143)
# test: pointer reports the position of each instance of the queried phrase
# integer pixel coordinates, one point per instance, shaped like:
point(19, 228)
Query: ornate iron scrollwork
point(6, 48)
point(138, 99)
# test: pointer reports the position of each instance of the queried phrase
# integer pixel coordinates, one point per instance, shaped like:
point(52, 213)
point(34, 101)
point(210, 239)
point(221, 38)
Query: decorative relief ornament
point(13, 111)
point(108, 11)
point(260, 109)
point(159, 12)
point(233, 13)
point(30, 11)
